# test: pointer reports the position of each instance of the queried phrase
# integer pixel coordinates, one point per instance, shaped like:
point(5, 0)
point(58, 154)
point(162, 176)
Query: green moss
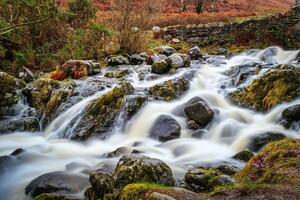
point(278, 162)
point(273, 88)
point(52, 197)
point(136, 191)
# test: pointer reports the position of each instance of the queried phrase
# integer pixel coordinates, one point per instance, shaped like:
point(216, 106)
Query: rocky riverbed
point(162, 126)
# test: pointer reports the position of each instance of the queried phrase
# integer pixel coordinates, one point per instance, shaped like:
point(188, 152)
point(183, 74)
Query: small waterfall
point(226, 135)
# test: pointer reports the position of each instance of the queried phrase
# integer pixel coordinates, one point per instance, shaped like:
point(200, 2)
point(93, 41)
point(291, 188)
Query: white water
point(228, 134)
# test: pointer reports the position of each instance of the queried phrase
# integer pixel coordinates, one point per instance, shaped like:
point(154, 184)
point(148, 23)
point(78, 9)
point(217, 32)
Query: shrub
point(81, 11)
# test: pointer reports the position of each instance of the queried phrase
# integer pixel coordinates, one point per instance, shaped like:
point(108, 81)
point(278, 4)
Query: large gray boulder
point(165, 128)
point(118, 60)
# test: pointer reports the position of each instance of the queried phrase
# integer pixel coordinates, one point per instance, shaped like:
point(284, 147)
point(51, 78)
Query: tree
point(198, 6)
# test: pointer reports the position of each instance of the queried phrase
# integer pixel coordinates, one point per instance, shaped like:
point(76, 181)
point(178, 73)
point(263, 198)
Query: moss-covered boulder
point(275, 87)
point(54, 197)
point(277, 163)
point(207, 179)
point(46, 95)
point(170, 89)
point(160, 67)
point(102, 113)
point(8, 93)
point(148, 191)
point(137, 168)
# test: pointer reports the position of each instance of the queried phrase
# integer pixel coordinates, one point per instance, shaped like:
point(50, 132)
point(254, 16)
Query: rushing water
point(228, 134)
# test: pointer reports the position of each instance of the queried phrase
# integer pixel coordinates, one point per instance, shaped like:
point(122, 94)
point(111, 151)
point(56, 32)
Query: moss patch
point(137, 191)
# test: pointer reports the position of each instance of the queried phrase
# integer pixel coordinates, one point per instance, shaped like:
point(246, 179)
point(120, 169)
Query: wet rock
point(195, 53)
point(199, 133)
point(101, 184)
point(291, 116)
point(166, 50)
point(268, 54)
point(137, 59)
point(165, 128)
point(29, 124)
point(26, 75)
point(75, 69)
point(244, 155)
point(170, 89)
point(117, 73)
point(8, 93)
point(46, 95)
point(121, 151)
point(118, 60)
point(199, 112)
point(261, 140)
point(59, 183)
point(160, 67)
point(155, 58)
point(179, 111)
point(134, 103)
point(205, 180)
point(141, 169)
point(275, 87)
point(55, 197)
point(101, 115)
point(177, 60)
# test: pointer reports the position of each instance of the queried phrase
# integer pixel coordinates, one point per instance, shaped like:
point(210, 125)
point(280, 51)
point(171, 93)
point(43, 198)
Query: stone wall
point(279, 29)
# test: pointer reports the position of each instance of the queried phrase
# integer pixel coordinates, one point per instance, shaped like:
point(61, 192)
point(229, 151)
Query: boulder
point(244, 155)
point(118, 60)
point(160, 67)
point(102, 113)
point(195, 53)
point(206, 179)
point(55, 197)
point(155, 58)
point(30, 124)
point(60, 183)
point(117, 73)
point(8, 93)
point(275, 87)
point(291, 116)
point(134, 103)
point(46, 95)
point(165, 128)
point(199, 112)
point(137, 59)
point(141, 169)
point(259, 141)
point(177, 60)
point(166, 50)
point(170, 89)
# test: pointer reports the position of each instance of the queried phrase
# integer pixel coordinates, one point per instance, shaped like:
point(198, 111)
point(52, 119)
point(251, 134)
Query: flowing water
point(229, 133)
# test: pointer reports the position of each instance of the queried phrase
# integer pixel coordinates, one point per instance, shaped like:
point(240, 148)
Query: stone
point(30, 124)
point(166, 50)
point(165, 128)
point(177, 60)
point(290, 116)
point(155, 58)
point(141, 169)
point(200, 113)
point(101, 184)
point(55, 197)
point(195, 53)
point(118, 60)
point(8, 93)
point(137, 59)
point(273, 88)
point(244, 155)
point(206, 180)
point(259, 141)
point(102, 113)
point(62, 183)
point(160, 67)
point(170, 89)
point(175, 41)
point(121, 151)
point(222, 51)
point(117, 73)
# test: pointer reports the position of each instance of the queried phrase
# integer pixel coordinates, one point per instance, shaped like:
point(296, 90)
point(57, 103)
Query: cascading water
point(226, 135)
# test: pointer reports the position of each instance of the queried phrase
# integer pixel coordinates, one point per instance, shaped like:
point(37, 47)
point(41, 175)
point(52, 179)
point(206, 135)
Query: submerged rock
point(261, 140)
point(275, 87)
point(59, 183)
point(101, 115)
point(46, 95)
point(139, 169)
point(118, 60)
point(170, 89)
point(165, 128)
point(30, 124)
point(206, 179)
point(8, 93)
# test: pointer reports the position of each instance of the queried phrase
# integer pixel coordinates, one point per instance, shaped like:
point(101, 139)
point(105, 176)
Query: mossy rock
point(8, 93)
point(170, 89)
point(102, 113)
point(149, 191)
point(53, 197)
point(277, 163)
point(275, 87)
point(46, 95)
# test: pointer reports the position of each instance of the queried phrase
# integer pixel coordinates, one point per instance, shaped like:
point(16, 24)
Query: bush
point(80, 12)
